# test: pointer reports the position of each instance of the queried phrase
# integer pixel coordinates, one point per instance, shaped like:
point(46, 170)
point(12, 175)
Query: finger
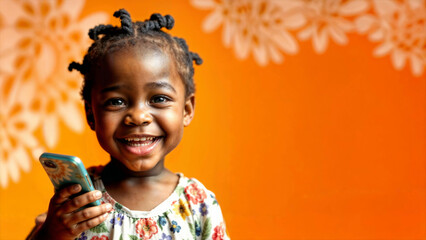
point(81, 201)
point(63, 195)
point(89, 213)
point(40, 219)
point(83, 226)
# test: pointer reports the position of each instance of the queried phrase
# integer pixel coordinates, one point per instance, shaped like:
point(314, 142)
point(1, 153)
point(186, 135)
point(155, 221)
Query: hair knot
point(77, 66)
point(159, 21)
point(100, 29)
point(136, 35)
point(196, 58)
point(126, 21)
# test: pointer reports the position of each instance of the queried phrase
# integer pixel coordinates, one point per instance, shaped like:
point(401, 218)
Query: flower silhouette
point(258, 27)
point(267, 28)
point(327, 19)
point(37, 41)
point(401, 30)
point(18, 145)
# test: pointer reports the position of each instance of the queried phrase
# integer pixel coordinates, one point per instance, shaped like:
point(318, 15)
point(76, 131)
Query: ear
point(189, 108)
point(89, 115)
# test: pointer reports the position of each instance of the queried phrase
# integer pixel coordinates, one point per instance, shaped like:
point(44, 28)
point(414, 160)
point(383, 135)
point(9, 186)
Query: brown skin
point(137, 92)
point(64, 222)
point(138, 193)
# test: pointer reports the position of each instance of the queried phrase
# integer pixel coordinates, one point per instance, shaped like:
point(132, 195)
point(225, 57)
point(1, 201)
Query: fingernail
point(98, 194)
point(108, 206)
point(76, 187)
point(105, 215)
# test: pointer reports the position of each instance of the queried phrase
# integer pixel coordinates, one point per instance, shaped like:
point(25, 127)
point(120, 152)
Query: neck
point(115, 172)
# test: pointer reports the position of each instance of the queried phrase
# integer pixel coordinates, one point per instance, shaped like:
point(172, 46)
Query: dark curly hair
point(147, 33)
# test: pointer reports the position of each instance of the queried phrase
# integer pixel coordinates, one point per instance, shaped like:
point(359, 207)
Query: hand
point(65, 220)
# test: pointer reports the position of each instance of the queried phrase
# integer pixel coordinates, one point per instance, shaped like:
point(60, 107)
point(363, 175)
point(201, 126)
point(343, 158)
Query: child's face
point(139, 107)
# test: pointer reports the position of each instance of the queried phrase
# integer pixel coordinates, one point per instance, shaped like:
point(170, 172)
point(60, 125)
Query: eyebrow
point(154, 85)
point(110, 89)
point(151, 85)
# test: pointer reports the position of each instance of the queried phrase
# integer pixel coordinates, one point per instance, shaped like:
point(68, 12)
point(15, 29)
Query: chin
point(142, 166)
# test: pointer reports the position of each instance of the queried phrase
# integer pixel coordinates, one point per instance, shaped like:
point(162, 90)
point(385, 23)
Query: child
point(139, 95)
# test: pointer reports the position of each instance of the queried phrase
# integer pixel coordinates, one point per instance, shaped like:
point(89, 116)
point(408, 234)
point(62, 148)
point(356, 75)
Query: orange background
point(321, 146)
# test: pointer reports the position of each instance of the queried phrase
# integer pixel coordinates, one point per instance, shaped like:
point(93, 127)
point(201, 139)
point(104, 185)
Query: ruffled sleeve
point(208, 222)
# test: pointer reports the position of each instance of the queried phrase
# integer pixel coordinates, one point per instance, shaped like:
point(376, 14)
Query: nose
point(138, 117)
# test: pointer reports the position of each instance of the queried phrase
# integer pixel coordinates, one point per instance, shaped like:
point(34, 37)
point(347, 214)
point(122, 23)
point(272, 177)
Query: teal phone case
point(65, 170)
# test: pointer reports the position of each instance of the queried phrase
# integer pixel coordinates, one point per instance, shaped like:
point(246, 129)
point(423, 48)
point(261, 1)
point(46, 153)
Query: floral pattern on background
point(400, 29)
point(38, 39)
point(269, 29)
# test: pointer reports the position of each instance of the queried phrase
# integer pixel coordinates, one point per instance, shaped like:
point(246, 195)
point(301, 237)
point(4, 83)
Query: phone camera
point(49, 164)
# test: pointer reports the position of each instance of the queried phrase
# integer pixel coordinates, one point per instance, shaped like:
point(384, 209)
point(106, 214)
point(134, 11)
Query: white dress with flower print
point(190, 212)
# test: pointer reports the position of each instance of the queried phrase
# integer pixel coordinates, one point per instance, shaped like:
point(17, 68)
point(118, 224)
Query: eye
point(160, 99)
point(115, 102)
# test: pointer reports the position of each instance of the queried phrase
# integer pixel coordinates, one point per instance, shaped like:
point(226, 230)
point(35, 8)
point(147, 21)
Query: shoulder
point(200, 200)
point(195, 192)
point(208, 222)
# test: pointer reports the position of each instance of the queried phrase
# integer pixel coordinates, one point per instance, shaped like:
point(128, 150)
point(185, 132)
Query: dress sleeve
point(208, 219)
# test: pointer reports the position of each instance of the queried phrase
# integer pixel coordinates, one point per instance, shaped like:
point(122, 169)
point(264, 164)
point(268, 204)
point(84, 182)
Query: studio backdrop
point(309, 122)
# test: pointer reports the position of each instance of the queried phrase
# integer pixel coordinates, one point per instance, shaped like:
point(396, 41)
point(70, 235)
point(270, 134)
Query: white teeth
point(139, 144)
point(139, 139)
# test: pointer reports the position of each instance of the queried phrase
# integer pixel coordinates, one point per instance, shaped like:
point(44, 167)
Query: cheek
point(103, 134)
point(105, 125)
point(106, 119)
point(172, 124)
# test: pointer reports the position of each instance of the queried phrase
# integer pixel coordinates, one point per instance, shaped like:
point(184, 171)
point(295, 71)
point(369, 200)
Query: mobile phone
point(65, 170)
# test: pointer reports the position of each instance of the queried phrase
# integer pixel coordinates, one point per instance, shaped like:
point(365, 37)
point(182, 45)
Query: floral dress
point(190, 212)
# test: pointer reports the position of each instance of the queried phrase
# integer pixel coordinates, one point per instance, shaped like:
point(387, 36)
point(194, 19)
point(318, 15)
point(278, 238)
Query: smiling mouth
point(139, 141)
